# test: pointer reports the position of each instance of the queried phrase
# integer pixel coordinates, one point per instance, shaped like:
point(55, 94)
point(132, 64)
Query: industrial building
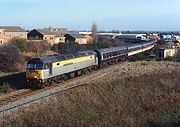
point(132, 37)
point(163, 53)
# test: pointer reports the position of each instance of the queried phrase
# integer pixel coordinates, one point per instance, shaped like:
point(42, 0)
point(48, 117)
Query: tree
point(37, 47)
point(11, 59)
point(94, 33)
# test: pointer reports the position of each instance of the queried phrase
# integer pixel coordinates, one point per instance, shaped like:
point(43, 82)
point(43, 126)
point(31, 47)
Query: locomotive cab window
point(34, 66)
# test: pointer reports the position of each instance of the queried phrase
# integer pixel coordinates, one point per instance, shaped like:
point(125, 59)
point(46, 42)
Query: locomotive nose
point(34, 74)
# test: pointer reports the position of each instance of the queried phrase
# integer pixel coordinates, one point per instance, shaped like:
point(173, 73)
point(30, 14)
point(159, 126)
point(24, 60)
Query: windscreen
point(34, 66)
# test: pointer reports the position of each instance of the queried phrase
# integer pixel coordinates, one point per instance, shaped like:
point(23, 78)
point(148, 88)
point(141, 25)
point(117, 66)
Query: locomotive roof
point(61, 57)
point(112, 49)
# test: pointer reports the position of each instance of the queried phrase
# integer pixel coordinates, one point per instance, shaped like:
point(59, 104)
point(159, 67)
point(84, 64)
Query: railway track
point(14, 96)
point(18, 99)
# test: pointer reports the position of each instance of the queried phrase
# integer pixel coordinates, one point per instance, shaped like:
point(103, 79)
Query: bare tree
point(94, 33)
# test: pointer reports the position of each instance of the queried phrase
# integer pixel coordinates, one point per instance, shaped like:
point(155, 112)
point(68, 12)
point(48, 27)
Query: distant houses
point(58, 35)
point(52, 35)
point(62, 35)
point(7, 33)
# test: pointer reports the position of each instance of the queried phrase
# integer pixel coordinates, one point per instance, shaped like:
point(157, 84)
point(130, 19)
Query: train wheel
point(65, 77)
point(78, 73)
point(95, 67)
point(72, 75)
point(85, 71)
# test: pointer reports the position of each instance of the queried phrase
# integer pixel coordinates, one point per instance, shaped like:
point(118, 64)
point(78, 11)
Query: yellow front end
point(34, 74)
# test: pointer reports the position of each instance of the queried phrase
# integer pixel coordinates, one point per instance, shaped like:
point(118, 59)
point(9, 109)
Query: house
point(2, 36)
point(7, 33)
point(52, 35)
point(80, 38)
point(89, 39)
point(69, 38)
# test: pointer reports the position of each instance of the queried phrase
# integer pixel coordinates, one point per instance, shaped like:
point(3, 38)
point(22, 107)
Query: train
point(51, 69)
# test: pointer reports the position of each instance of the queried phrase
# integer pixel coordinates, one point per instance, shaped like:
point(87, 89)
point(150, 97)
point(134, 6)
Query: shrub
point(11, 59)
point(169, 58)
point(65, 47)
point(5, 88)
point(37, 47)
point(20, 43)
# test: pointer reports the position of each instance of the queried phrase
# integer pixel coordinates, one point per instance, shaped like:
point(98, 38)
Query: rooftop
point(12, 29)
point(58, 32)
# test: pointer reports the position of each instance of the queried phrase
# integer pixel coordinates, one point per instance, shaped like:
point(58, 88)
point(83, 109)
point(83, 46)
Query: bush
point(169, 58)
point(11, 59)
point(5, 88)
point(37, 47)
point(65, 47)
point(167, 120)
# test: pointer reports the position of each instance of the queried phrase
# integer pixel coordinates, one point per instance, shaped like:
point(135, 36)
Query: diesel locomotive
point(47, 70)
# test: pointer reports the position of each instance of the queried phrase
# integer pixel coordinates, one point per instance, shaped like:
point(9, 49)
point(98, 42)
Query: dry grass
point(134, 94)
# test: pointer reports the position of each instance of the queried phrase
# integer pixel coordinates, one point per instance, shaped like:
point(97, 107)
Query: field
point(139, 94)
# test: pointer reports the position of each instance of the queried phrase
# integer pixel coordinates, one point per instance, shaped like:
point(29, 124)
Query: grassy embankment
point(134, 94)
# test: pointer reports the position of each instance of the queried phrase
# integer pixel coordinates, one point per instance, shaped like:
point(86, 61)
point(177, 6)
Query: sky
point(149, 15)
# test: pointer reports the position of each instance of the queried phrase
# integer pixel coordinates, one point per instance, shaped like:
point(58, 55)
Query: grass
point(5, 88)
point(134, 94)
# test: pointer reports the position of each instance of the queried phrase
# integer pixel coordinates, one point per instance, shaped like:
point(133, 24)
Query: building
point(2, 36)
point(177, 38)
point(162, 53)
point(81, 38)
point(7, 33)
point(52, 35)
point(74, 36)
point(89, 39)
point(131, 37)
point(165, 36)
point(153, 38)
point(85, 33)
point(69, 38)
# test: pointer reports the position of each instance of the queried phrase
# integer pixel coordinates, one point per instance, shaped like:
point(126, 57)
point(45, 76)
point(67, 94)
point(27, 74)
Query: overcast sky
point(80, 14)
